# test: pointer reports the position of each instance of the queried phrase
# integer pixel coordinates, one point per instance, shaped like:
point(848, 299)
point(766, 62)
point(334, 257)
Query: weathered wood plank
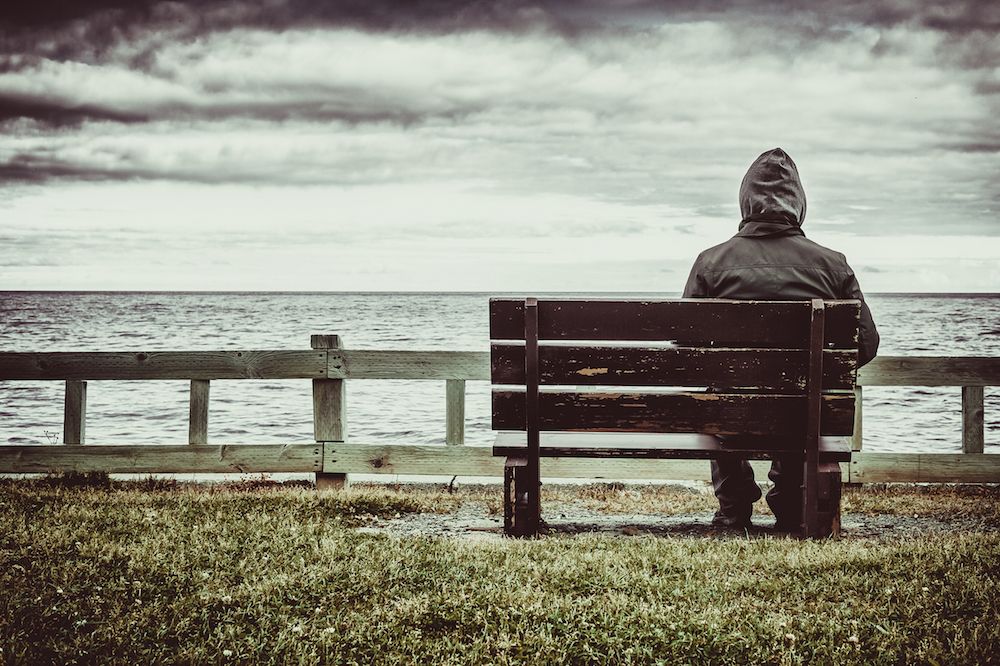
point(474, 365)
point(658, 445)
point(324, 341)
point(778, 370)
point(198, 412)
point(876, 467)
point(931, 371)
point(75, 412)
point(972, 419)
point(163, 459)
point(392, 364)
point(711, 413)
point(249, 364)
point(866, 466)
point(858, 436)
point(480, 461)
point(329, 402)
point(329, 411)
point(695, 323)
point(454, 411)
point(388, 364)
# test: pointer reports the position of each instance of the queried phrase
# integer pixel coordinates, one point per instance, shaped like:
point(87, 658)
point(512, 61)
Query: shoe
point(730, 522)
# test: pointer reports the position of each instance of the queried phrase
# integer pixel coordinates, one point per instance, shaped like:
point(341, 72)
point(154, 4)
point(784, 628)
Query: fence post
point(972, 419)
point(198, 412)
point(75, 412)
point(455, 412)
point(329, 413)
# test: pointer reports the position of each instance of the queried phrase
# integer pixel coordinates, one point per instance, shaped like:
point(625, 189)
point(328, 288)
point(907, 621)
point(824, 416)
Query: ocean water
point(393, 411)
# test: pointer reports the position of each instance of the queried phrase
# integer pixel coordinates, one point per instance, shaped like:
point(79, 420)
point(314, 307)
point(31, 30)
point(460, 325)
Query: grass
point(112, 572)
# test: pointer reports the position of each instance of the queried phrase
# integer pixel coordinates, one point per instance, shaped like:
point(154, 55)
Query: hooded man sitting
point(771, 259)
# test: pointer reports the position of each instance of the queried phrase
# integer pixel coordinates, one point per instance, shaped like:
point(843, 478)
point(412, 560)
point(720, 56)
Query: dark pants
point(736, 489)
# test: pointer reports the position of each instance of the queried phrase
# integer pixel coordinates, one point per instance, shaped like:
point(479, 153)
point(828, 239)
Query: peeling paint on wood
point(713, 413)
point(779, 370)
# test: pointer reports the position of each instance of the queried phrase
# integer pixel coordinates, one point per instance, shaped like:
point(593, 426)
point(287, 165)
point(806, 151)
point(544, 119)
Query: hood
point(772, 200)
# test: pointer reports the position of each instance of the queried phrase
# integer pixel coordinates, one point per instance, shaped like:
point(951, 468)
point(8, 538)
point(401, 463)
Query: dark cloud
point(111, 18)
point(53, 112)
point(34, 169)
point(349, 107)
point(28, 168)
point(131, 35)
point(974, 147)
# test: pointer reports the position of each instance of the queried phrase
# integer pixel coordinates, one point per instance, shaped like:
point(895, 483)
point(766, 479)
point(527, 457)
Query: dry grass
point(154, 573)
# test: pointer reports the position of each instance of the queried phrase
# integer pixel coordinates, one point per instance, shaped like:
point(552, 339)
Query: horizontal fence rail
point(331, 457)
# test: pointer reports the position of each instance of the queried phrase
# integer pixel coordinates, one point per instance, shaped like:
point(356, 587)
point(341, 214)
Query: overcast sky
point(504, 145)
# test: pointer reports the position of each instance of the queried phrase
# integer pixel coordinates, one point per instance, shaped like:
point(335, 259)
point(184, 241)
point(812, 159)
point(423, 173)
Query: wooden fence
point(331, 456)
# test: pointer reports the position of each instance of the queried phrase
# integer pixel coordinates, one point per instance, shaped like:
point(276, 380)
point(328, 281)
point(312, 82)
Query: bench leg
point(827, 515)
point(830, 485)
point(509, 498)
point(517, 518)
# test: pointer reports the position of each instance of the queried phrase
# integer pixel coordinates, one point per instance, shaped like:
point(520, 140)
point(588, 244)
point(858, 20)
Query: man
point(771, 259)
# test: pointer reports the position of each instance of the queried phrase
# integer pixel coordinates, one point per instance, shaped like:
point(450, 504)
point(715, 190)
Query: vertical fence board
point(329, 413)
point(856, 440)
point(198, 412)
point(455, 412)
point(972, 419)
point(75, 412)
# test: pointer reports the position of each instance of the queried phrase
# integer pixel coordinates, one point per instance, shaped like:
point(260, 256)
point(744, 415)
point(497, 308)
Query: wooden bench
point(658, 379)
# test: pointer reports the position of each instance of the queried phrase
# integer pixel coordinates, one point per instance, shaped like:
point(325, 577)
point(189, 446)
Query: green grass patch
point(126, 573)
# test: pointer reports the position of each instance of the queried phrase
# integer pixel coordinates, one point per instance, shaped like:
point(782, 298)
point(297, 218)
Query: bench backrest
point(644, 366)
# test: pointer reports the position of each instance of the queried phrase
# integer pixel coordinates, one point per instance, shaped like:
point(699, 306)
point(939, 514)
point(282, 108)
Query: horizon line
point(364, 292)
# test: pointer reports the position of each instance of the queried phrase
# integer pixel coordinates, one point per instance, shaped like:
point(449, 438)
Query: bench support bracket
point(814, 397)
point(532, 471)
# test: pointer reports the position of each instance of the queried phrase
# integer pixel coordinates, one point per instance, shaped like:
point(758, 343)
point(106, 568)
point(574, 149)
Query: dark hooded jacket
point(770, 258)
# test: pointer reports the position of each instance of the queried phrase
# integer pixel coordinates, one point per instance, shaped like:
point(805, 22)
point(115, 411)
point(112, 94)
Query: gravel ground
point(472, 521)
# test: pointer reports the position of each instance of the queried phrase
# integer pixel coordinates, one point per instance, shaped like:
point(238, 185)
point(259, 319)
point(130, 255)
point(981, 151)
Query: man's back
point(786, 268)
point(770, 258)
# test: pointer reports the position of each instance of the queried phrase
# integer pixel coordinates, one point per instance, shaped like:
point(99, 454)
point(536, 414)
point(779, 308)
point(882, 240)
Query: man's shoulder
point(794, 248)
point(711, 253)
point(829, 254)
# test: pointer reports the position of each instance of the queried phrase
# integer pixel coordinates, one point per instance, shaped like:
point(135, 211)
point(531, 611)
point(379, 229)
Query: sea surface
point(394, 411)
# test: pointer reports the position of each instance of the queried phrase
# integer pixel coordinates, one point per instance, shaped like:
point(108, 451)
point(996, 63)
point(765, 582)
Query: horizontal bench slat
point(695, 323)
point(713, 413)
point(658, 446)
point(235, 364)
point(781, 370)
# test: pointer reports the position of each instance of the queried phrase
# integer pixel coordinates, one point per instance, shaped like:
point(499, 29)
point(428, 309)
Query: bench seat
point(652, 445)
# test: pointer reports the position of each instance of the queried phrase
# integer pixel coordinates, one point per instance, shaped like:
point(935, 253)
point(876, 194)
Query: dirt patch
point(472, 520)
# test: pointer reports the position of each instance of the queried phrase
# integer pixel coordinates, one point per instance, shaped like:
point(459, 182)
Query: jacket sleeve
point(868, 338)
point(696, 286)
